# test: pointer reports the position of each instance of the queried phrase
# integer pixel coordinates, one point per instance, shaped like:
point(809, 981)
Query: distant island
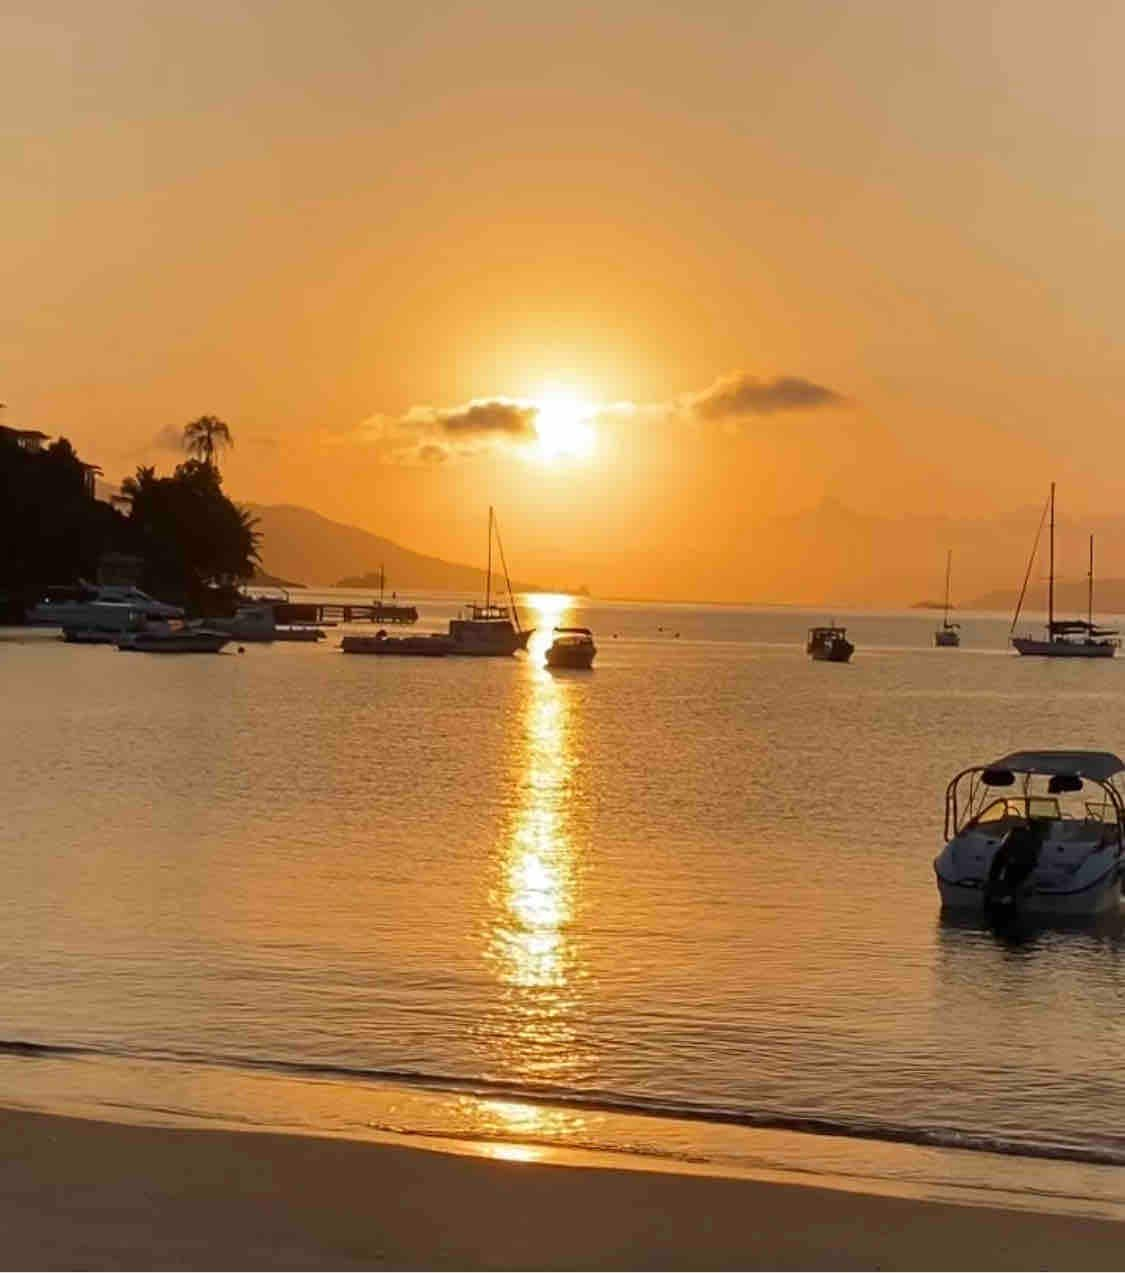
point(930, 605)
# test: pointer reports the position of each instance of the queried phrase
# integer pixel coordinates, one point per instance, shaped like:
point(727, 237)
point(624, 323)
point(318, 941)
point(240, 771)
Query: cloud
point(739, 395)
point(431, 435)
point(170, 438)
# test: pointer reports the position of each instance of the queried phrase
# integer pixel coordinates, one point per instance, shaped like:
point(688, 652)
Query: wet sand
point(79, 1194)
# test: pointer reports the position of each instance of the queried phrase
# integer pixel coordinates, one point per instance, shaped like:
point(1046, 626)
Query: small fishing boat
point(947, 635)
point(160, 638)
point(429, 646)
point(1066, 638)
point(829, 644)
point(572, 647)
point(1038, 832)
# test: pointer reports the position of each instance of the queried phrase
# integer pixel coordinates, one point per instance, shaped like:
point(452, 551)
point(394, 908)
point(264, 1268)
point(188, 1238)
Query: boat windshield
point(972, 799)
point(1020, 807)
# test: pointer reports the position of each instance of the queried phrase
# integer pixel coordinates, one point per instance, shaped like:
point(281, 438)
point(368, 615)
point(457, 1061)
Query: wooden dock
point(340, 612)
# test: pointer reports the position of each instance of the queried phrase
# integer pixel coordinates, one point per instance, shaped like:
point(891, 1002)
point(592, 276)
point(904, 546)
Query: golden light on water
point(529, 947)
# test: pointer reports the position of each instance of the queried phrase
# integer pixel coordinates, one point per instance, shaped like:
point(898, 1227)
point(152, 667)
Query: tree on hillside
point(192, 536)
point(52, 530)
point(204, 437)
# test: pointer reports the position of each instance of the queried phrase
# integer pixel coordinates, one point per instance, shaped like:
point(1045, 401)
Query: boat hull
point(1064, 649)
point(425, 647)
point(1099, 896)
point(178, 643)
point(571, 657)
point(836, 654)
point(946, 640)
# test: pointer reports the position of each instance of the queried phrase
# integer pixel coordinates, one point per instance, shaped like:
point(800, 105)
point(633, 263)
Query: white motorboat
point(1066, 638)
point(948, 635)
point(571, 647)
point(490, 630)
point(1038, 832)
point(164, 638)
point(258, 622)
point(111, 607)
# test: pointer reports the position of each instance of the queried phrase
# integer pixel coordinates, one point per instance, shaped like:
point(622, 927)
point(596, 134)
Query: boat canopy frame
point(1096, 767)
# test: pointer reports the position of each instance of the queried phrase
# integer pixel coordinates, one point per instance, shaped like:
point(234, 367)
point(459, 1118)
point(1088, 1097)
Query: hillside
point(1070, 598)
point(297, 543)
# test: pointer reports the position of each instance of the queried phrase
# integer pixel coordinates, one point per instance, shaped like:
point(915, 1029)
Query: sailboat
point(948, 633)
point(491, 629)
point(382, 612)
point(1066, 638)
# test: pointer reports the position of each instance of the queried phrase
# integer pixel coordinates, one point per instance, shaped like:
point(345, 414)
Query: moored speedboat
point(1038, 832)
point(110, 608)
point(829, 645)
point(258, 622)
point(163, 638)
point(571, 647)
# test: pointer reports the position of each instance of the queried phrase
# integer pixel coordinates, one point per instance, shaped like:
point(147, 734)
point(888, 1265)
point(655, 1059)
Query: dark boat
point(572, 647)
point(829, 645)
point(433, 646)
point(490, 630)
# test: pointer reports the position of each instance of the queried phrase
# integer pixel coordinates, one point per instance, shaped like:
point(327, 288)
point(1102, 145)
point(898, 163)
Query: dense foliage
point(51, 529)
point(191, 536)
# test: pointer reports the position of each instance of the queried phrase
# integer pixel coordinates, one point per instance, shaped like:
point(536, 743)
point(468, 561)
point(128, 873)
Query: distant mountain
point(1070, 598)
point(297, 543)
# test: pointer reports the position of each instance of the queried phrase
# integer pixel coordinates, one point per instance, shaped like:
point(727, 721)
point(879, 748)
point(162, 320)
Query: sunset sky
point(644, 276)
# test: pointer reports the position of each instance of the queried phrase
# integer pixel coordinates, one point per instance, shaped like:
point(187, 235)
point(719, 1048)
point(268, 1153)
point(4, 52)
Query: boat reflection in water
point(530, 946)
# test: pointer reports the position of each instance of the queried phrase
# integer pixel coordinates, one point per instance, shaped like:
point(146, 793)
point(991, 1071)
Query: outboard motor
point(1012, 864)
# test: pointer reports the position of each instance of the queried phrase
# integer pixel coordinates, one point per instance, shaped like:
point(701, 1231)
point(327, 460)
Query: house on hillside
point(26, 439)
point(32, 441)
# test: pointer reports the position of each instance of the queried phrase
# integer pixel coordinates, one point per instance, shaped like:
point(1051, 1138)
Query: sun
point(563, 426)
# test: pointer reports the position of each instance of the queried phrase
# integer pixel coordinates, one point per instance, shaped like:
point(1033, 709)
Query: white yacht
point(258, 622)
point(106, 608)
point(1039, 832)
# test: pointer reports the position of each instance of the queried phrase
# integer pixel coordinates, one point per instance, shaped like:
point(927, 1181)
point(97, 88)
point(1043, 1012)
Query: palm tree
point(205, 436)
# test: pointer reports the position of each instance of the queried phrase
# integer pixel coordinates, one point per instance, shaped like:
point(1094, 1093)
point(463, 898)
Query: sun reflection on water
point(530, 946)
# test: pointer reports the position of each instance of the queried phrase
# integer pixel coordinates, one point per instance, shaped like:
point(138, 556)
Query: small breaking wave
point(1105, 1151)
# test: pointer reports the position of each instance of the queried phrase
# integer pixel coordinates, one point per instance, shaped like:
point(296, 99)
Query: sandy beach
point(88, 1195)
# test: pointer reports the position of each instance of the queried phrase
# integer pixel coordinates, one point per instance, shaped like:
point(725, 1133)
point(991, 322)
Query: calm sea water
point(681, 905)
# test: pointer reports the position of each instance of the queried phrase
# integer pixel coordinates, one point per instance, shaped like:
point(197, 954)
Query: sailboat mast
point(948, 567)
point(488, 585)
point(508, 581)
point(1051, 574)
point(1090, 591)
point(382, 584)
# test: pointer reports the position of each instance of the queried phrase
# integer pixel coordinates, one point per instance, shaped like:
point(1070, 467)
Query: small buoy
point(242, 649)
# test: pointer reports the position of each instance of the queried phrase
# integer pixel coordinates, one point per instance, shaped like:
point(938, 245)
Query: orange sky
point(307, 218)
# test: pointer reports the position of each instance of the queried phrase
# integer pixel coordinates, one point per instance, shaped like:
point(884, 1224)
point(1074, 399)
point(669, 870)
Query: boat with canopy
point(1040, 832)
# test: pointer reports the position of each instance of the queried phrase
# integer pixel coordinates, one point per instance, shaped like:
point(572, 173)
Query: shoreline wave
point(606, 1102)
